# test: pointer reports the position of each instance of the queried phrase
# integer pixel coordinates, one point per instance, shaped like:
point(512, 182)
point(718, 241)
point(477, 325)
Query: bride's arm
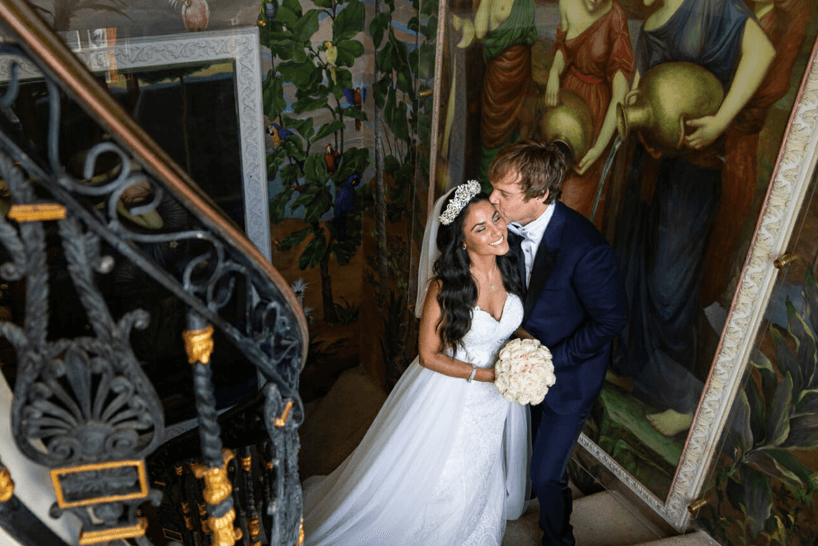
point(430, 347)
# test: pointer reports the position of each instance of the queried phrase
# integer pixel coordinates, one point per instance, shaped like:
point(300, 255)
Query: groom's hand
point(522, 334)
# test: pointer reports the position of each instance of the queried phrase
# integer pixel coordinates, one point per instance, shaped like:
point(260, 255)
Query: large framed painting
point(693, 132)
point(197, 95)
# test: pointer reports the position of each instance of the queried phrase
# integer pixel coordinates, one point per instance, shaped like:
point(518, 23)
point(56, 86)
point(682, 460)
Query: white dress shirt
point(532, 234)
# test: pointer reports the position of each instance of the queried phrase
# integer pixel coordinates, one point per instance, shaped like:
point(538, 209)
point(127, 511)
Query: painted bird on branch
point(355, 98)
point(344, 203)
point(332, 56)
point(332, 158)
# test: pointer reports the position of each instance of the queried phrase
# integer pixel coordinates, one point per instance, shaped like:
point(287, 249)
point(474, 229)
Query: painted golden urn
point(668, 95)
point(570, 123)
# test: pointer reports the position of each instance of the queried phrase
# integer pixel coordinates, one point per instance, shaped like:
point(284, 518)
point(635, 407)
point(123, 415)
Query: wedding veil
point(429, 252)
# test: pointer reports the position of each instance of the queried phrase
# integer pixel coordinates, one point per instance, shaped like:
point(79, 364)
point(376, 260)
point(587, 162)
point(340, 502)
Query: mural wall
point(342, 76)
point(681, 224)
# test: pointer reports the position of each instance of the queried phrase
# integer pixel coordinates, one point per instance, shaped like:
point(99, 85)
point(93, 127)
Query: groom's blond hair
point(542, 167)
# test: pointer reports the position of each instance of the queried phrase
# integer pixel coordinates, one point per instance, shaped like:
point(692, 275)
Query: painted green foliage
point(403, 74)
point(773, 425)
point(310, 172)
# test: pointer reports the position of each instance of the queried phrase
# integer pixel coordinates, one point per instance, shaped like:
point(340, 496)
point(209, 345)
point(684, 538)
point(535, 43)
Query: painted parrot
point(332, 158)
point(332, 56)
point(278, 133)
point(344, 203)
point(355, 98)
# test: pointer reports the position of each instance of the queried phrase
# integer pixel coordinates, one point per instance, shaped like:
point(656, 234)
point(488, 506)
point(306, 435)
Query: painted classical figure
point(506, 29)
point(593, 59)
point(671, 203)
point(785, 24)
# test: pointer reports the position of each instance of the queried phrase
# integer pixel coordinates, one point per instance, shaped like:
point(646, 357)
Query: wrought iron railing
point(83, 405)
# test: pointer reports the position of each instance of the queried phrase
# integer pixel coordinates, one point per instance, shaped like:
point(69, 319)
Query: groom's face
point(508, 198)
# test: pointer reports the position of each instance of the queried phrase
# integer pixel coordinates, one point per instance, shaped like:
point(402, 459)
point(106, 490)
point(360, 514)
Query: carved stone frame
point(790, 180)
point(241, 46)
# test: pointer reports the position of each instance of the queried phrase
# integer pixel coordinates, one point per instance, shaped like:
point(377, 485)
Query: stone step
point(601, 519)
point(699, 538)
point(605, 519)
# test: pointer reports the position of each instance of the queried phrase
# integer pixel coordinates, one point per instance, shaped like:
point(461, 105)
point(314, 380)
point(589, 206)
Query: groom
point(575, 305)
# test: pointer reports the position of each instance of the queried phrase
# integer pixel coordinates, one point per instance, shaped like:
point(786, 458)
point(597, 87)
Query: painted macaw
point(356, 98)
point(344, 203)
point(278, 133)
point(332, 158)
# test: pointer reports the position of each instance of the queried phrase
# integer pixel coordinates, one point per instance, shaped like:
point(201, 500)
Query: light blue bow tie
point(517, 229)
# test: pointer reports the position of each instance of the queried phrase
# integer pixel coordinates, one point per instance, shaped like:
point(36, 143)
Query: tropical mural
point(332, 193)
point(762, 488)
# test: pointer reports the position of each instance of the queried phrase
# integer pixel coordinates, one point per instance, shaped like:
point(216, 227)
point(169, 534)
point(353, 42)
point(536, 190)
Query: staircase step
point(699, 538)
point(604, 519)
point(601, 519)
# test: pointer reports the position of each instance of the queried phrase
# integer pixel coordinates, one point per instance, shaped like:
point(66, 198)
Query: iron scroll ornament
point(85, 399)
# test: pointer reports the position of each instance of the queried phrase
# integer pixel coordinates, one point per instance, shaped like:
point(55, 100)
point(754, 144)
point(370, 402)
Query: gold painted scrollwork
point(6, 485)
point(118, 533)
point(253, 528)
point(224, 534)
point(217, 489)
point(57, 474)
point(301, 533)
point(199, 345)
point(37, 213)
point(217, 484)
point(282, 421)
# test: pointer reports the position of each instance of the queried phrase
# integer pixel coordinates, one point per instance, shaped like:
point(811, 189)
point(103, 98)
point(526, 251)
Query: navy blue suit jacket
point(575, 305)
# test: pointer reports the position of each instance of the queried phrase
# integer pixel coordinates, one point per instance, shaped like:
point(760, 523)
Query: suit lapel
point(546, 257)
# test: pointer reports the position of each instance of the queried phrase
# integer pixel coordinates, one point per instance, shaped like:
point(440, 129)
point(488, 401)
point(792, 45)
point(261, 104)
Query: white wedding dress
point(445, 462)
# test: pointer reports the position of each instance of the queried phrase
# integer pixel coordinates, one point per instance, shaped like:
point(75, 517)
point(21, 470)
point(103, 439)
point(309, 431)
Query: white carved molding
point(240, 46)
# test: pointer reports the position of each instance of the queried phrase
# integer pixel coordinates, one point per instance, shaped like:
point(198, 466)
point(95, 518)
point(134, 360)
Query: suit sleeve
point(598, 285)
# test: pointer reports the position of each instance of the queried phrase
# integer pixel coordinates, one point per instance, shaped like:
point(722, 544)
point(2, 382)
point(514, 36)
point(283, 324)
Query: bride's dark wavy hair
point(458, 291)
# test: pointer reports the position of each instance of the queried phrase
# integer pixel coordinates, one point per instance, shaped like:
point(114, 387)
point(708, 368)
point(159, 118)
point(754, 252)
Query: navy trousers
point(554, 439)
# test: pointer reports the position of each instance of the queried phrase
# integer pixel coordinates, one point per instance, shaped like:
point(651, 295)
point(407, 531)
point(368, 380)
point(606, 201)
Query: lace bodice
point(487, 335)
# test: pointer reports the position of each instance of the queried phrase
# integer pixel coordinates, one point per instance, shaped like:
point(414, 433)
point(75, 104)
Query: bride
point(446, 459)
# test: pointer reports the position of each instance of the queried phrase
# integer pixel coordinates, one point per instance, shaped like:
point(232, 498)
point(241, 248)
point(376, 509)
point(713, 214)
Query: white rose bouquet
point(524, 371)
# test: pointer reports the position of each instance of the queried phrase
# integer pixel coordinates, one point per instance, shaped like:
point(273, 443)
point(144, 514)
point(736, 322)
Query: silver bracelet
point(473, 373)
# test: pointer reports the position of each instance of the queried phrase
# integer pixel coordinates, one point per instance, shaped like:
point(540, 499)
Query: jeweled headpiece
point(462, 196)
